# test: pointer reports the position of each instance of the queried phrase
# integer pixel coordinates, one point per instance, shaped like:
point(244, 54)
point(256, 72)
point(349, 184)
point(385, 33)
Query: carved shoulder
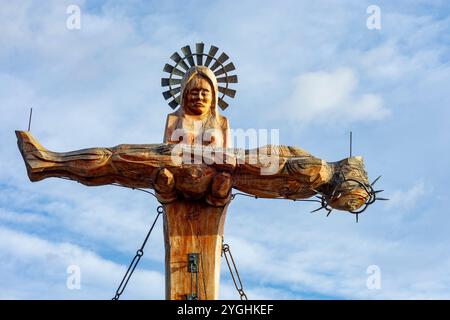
point(224, 122)
point(171, 123)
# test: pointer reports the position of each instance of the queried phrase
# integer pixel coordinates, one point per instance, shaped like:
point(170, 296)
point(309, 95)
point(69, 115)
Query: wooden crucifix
point(194, 171)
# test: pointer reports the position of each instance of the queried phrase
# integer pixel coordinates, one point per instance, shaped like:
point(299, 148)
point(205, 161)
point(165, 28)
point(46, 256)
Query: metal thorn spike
point(212, 52)
point(171, 69)
point(371, 199)
point(374, 181)
point(226, 91)
point(378, 191)
point(177, 58)
point(170, 82)
point(317, 209)
point(188, 55)
point(383, 199)
point(357, 217)
point(222, 58)
point(222, 104)
point(229, 79)
point(199, 47)
point(229, 67)
point(329, 212)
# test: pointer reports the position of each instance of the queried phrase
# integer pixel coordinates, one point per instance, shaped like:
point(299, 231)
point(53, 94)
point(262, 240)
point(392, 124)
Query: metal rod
point(29, 120)
point(350, 143)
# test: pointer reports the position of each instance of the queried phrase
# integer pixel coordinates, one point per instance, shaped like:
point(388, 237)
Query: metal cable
point(136, 259)
point(240, 288)
point(280, 198)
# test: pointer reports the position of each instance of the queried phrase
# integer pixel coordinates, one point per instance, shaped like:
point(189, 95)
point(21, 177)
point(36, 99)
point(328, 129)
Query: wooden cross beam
point(196, 196)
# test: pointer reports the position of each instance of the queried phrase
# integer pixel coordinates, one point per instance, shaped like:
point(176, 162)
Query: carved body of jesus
point(196, 196)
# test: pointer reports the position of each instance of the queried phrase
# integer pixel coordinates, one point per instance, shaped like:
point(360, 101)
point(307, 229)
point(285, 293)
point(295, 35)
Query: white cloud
point(313, 256)
point(23, 218)
point(33, 268)
point(407, 199)
point(332, 97)
point(112, 217)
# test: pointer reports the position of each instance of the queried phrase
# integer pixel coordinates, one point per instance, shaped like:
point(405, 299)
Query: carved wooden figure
point(194, 171)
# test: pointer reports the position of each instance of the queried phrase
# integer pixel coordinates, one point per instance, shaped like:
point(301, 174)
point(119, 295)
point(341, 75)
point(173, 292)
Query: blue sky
point(311, 69)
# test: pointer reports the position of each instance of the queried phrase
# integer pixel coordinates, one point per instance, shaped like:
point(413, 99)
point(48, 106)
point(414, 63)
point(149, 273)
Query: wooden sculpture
point(194, 171)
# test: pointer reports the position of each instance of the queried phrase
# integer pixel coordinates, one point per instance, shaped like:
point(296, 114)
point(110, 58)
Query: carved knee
point(165, 186)
point(220, 189)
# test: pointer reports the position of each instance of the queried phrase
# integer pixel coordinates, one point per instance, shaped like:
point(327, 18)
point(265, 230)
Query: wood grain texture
point(195, 195)
point(193, 227)
point(296, 174)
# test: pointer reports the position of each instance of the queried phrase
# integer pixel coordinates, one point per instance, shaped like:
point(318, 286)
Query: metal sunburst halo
point(183, 63)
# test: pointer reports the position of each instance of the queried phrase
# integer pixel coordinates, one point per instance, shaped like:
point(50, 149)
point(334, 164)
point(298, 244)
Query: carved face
point(198, 96)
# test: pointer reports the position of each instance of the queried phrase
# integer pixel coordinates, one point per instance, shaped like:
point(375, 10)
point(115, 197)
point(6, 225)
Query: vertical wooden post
point(193, 227)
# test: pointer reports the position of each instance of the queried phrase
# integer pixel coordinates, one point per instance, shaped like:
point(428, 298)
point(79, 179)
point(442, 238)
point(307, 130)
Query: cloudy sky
point(313, 70)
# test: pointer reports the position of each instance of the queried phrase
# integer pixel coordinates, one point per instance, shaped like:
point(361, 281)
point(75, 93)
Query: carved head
point(199, 91)
point(198, 96)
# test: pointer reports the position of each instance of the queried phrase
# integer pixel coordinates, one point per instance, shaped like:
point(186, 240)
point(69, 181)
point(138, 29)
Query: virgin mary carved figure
point(198, 121)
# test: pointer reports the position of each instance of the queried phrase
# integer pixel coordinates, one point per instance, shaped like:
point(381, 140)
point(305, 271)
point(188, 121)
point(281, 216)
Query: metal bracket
point(191, 297)
point(193, 262)
point(193, 259)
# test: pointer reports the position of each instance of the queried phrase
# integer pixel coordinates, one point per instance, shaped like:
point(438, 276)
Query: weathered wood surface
point(298, 175)
point(193, 227)
point(194, 180)
point(196, 196)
